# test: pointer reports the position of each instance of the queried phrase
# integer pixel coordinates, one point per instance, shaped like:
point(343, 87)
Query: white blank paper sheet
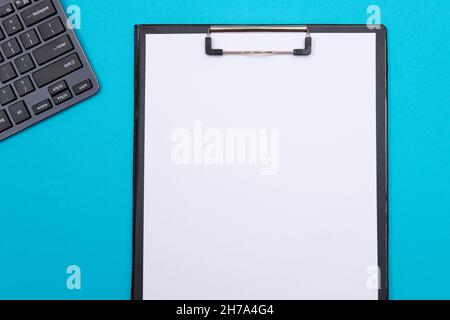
point(260, 171)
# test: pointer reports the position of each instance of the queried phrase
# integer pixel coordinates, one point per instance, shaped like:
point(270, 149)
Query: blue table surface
point(66, 184)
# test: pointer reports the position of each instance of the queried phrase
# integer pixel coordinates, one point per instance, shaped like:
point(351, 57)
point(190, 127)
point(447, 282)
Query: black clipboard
point(381, 114)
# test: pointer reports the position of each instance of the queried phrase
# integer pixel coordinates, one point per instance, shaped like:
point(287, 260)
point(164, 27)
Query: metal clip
point(236, 29)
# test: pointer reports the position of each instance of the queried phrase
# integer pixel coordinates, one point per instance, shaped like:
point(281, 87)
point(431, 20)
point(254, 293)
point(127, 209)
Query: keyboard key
point(53, 50)
point(82, 87)
point(24, 64)
point(5, 124)
point(51, 29)
point(6, 10)
point(7, 95)
point(22, 3)
point(57, 70)
point(12, 25)
point(57, 88)
point(41, 107)
point(11, 48)
point(62, 97)
point(2, 35)
point(29, 39)
point(19, 112)
point(38, 12)
point(24, 86)
point(7, 72)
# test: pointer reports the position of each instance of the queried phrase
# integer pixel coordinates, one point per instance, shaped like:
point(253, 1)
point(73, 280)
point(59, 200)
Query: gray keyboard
point(43, 69)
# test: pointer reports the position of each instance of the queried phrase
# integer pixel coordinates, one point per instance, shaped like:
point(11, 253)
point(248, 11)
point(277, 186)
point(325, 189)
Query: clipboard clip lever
point(236, 29)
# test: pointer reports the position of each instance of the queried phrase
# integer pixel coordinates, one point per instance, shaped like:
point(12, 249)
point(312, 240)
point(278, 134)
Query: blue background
point(66, 184)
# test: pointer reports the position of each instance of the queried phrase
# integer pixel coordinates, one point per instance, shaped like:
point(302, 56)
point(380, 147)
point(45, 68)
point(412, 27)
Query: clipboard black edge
point(382, 140)
point(138, 166)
